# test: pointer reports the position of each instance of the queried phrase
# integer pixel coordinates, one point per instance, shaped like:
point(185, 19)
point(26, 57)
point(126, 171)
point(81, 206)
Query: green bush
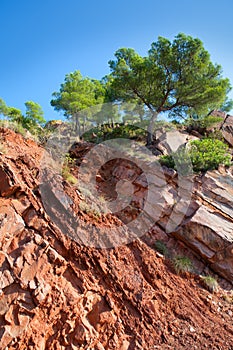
point(199, 155)
point(85, 207)
point(182, 264)
point(106, 132)
point(208, 154)
point(202, 124)
point(37, 133)
point(210, 283)
point(90, 209)
point(167, 161)
point(179, 160)
point(15, 126)
point(66, 170)
point(68, 176)
point(161, 247)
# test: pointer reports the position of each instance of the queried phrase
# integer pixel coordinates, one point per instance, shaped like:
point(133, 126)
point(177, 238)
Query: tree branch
point(143, 100)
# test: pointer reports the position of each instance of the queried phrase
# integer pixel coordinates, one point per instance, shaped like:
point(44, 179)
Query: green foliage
point(165, 125)
point(3, 107)
point(93, 206)
point(106, 132)
point(161, 247)
point(227, 105)
point(85, 192)
point(179, 160)
point(33, 120)
point(85, 207)
point(176, 77)
point(216, 135)
point(168, 161)
point(34, 116)
point(208, 154)
point(76, 94)
point(66, 170)
point(199, 155)
point(15, 126)
point(210, 283)
point(15, 115)
point(202, 124)
point(182, 264)
point(90, 209)
point(69, 160)
point(182, 161)
point(68, 176)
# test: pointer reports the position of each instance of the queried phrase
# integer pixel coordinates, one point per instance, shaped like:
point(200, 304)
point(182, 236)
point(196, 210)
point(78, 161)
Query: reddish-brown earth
point(59, 294)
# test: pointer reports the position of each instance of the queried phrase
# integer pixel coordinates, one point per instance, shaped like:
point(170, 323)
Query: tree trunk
point(150, 129)
point(77, 125)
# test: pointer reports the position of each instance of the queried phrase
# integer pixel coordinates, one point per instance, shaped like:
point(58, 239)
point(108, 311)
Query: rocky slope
point(57, 293)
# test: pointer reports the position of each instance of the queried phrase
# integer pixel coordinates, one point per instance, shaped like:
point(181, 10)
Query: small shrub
point(216, 134)
point(106, 132)
point(83, 206)
point(161, 247)
point(179, 160)
point(85, 192)
point(69, 160)
point(165, 126)
point(210, 283)
point(167, 161)
point(182, 264)
point(68, 176)
point(208, 154)
point(96, 213)
point(89, 209)
point(210, 121)
point(198, 155)
point(102, 199)
point(202, 124)
point(19, 128)
point(15, 126)
point(66, 170)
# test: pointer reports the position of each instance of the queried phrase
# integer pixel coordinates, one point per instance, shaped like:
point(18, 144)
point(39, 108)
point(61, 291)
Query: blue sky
point(41, 41)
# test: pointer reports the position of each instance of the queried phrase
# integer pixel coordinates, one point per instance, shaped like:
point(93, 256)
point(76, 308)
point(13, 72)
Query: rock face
point(227, 129)
point(196, 210)
point(226, 126)
point(210, 229)
point(58, 294)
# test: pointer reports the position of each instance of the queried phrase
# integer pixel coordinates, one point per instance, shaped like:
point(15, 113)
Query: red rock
point(59, 294)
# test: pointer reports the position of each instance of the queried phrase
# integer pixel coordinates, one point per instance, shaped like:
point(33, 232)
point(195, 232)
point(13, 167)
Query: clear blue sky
point(41, 41)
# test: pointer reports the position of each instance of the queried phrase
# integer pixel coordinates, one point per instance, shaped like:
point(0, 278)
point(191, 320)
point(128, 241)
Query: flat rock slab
point(211, 235)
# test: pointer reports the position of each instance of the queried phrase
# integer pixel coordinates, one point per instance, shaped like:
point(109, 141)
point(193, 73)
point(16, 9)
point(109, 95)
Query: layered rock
point(57, 293)
point(227, 129)
point(196, 210)
point(210, 229)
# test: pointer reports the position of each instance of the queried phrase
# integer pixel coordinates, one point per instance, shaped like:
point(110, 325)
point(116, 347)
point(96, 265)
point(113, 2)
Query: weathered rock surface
point(196, 210)
point(227, 129)
point(226, 125)
point(58, 294)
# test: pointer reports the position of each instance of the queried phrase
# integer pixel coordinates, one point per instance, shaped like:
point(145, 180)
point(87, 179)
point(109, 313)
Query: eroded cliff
point(57, 293)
